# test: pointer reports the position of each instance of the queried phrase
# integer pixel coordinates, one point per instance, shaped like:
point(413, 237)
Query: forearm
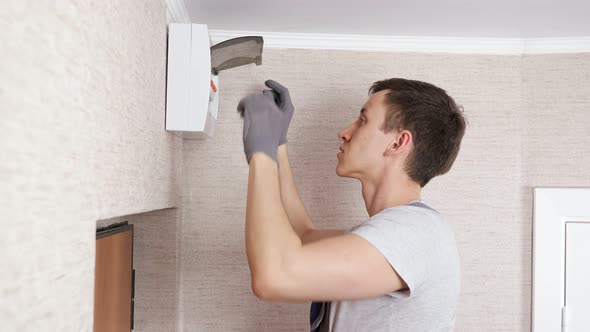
point(268, 233)
point(298, 216)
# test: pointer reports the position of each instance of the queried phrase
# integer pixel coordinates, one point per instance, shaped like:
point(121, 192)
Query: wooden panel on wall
point(113, 280)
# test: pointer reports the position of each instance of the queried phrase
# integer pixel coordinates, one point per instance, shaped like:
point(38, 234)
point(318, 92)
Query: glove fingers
point(281, 90)
point(241, 107)
point(273, 95)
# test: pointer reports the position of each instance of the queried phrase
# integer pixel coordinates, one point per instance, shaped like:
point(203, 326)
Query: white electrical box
point(192, 91)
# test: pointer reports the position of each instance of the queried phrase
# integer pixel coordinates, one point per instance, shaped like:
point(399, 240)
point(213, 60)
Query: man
point(397, 271)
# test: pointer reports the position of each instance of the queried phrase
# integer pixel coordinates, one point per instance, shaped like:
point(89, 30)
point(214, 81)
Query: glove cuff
point(267, 148)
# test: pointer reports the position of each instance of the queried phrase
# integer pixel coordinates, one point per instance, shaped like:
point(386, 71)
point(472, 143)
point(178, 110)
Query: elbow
point(266, 288)
point(259, 288)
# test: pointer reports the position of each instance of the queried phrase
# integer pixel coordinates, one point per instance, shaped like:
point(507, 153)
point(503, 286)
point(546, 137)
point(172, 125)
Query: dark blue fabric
point(314, 312)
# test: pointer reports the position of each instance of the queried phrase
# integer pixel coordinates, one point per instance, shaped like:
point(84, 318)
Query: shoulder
point(415, 241)
point(425, 230)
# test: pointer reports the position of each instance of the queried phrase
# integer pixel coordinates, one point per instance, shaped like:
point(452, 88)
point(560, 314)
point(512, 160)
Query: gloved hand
point(262, 125)
point(282, 98)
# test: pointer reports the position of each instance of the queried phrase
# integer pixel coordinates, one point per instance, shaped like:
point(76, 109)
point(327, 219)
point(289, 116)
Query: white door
point(577, 277)
point(561, 260)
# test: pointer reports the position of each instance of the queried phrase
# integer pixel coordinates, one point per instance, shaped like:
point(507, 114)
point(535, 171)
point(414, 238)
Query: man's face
point(364, 142)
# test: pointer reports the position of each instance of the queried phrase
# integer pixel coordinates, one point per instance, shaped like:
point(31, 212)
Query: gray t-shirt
point(419, 243)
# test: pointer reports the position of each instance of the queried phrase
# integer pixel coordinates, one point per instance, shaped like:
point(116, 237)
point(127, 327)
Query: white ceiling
point(444, 18)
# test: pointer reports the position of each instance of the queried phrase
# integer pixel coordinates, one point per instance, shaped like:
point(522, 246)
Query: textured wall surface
point(82, 137)
point(557, 103)
point(483, 194)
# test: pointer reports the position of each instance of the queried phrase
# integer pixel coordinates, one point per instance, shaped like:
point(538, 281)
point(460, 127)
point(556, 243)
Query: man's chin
point(345, 173)
point(340, 172)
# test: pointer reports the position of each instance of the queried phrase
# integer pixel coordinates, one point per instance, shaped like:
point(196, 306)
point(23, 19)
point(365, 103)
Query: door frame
point(553, 207)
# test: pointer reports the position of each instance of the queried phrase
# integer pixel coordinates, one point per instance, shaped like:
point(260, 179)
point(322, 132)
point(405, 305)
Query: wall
point(82, 137)
point(557, 104)
point(483, 195)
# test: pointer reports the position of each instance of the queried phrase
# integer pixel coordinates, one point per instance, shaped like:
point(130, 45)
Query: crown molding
point(557, 45)
point(176, 12)
point(455, 45)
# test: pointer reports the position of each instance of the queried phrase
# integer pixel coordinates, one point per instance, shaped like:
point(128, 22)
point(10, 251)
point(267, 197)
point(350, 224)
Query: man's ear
point(399, 142)
point(392, 148)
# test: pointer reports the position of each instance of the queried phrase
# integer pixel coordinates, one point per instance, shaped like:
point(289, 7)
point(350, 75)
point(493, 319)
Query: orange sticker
point(213, 86)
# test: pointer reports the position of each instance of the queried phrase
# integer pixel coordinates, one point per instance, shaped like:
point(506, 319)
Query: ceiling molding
point(456, 45)
point(557, 45)
point(176, 12)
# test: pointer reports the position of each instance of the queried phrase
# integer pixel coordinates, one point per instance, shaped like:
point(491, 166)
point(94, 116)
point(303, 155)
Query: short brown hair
point(436, 122)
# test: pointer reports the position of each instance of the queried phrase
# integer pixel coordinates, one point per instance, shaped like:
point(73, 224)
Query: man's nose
point(345, 133)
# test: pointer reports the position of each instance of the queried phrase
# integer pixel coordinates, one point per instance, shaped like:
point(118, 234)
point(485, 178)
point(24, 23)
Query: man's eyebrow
point(363, 111)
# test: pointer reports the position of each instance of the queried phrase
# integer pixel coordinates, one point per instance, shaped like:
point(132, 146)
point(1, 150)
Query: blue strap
point(316, 313)
point(319, 316)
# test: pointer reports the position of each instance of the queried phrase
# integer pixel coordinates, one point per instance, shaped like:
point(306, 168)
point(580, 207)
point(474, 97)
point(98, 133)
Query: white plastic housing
point(191, 103)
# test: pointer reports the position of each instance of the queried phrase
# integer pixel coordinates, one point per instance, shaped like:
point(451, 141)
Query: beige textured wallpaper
point(556, 99)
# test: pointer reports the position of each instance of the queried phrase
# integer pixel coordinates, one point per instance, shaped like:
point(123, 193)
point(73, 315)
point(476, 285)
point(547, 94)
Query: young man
point(397, 271)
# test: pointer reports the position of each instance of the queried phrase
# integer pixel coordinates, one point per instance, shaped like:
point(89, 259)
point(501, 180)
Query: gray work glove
point(282, 98)
point(262, 125)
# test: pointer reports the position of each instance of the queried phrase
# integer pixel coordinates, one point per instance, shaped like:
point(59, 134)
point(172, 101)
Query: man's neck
point(386, 194)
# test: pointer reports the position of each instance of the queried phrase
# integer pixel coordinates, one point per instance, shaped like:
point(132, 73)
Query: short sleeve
point(406, 244)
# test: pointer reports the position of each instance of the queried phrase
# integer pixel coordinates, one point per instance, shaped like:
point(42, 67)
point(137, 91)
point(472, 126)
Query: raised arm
point(298, 216)
point(294, 207)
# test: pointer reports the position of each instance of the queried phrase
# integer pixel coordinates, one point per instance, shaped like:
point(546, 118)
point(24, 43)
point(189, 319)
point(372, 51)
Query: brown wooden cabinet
point(114, 279)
